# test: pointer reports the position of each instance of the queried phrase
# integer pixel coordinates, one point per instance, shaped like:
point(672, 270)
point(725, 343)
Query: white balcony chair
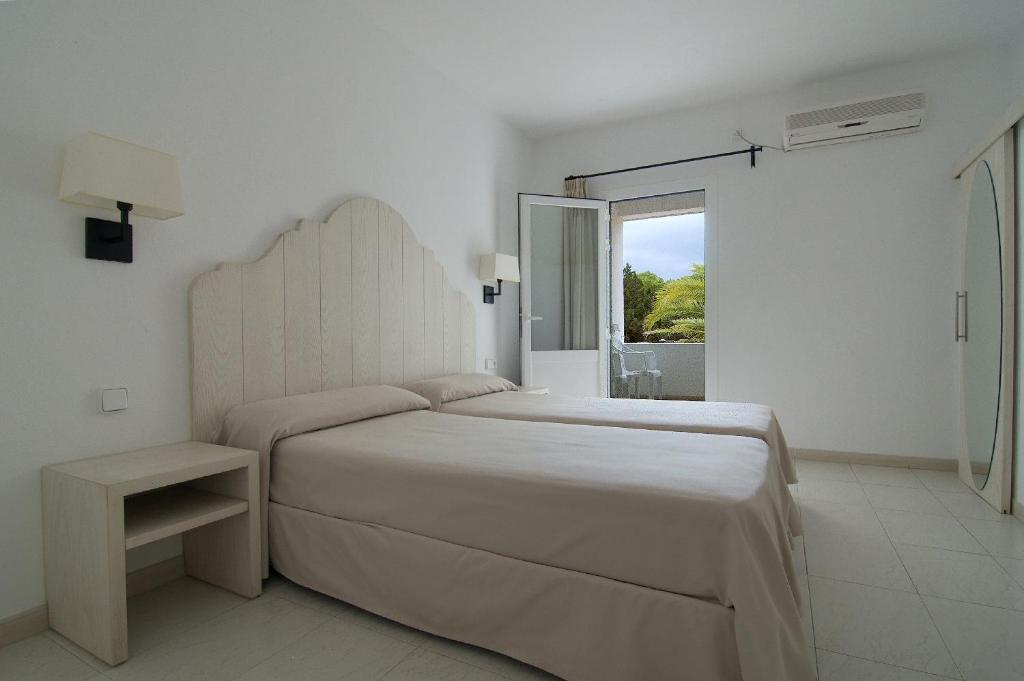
point(623, 376)
point(653, 374)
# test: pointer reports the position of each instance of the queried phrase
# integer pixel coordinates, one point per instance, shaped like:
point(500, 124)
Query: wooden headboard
point(352, 301)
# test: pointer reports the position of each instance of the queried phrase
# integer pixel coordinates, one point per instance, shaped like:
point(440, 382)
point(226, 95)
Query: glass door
point(563, 260)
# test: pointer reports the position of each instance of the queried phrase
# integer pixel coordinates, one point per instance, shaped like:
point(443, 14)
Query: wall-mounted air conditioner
point(855, 121)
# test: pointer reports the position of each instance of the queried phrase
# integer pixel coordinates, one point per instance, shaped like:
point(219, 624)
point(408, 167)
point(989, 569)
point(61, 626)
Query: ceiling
point(554, 65)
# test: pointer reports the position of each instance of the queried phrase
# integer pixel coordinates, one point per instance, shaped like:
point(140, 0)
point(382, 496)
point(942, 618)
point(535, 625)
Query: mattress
point(722, 418)
point(704, 516)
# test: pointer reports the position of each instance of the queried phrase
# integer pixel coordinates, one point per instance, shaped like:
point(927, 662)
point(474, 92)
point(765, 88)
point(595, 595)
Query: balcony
point(682, 369)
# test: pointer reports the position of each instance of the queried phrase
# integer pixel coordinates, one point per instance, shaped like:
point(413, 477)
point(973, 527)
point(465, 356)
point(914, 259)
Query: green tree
point(639, 290)
point(678, 310)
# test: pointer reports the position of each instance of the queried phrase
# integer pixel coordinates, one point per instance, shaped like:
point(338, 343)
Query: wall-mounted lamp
point(110, 173)
point(497, 267)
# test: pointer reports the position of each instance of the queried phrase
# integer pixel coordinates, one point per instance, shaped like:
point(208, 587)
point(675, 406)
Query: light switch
point(113, 400)
point(490, 363)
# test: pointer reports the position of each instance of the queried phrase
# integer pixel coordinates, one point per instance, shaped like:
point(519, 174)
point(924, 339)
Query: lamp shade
point(495, 266)
point(100, 171)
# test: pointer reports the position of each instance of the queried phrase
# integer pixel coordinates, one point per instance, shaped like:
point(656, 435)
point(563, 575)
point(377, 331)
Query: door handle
point(964, 336)
point(957, 336)
point(531, 318)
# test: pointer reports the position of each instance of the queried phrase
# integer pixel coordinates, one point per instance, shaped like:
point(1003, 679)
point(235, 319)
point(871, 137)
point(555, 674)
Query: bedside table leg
point(85, 570)
point(227, 553)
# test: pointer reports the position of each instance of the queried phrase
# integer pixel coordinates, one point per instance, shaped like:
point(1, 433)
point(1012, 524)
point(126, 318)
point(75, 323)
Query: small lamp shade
point(101, 171)
point(499, 267)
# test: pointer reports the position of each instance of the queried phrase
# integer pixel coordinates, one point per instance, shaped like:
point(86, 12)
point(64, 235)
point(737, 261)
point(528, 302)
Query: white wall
point(836, 265)
point(1016, 48)
point(276, 111)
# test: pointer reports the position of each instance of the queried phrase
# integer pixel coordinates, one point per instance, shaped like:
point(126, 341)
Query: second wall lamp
point(105, 172)
point(497, 267)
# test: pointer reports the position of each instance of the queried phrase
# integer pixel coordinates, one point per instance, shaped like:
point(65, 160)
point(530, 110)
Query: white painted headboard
point(352, 301)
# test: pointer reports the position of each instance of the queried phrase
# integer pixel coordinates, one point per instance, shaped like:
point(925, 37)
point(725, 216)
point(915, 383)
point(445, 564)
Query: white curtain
point(579, 272)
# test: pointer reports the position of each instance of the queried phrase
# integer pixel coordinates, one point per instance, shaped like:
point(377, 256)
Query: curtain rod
point(752, 150)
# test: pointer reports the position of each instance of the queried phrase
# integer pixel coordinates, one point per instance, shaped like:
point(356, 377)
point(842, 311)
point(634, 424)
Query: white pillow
point(458, 387)
point(270, 420)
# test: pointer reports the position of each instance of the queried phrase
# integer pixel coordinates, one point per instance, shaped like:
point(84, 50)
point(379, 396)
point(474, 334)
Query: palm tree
point(678, 312)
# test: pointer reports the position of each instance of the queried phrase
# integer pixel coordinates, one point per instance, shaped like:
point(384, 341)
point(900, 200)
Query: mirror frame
point(1000, 158)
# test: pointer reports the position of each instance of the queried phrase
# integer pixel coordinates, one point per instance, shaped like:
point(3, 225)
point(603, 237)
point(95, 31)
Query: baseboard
point(23, 625)
point(920, 462)
point(36, 620)
point(150, 577)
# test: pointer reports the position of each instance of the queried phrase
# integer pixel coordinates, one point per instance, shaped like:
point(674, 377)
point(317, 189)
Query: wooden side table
point(95, 509)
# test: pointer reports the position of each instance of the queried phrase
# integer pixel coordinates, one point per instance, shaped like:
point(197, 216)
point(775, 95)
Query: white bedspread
point(714, 418)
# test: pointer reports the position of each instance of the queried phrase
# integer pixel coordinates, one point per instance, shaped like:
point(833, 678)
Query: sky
point(666, 246)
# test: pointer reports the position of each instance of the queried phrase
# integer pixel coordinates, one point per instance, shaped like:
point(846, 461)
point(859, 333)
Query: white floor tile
point(805, 611)
point(987, 643)
point(967, 506)
point(226, 646)
point(923, 529)
point(155, 615)
point(837, 667)
point(335, 651)
point(877, 624)
point(300, 595)
point(824, 470)
point(826, 518)
point(970, 577)
point(1014, 566)
point(485, 659)
point(799, 556)
point(383, 625)
point(833, 491)
point(863, 560)
point(274, 581)
point(1001, 537)
point(283, 588)
point(904, 499)
point(40, 659)
point(81, 653)
point(942, 481)
point(886, 475)
point(424, 665)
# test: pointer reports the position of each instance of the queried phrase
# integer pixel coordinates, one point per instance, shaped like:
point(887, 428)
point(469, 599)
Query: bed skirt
point(578, 626)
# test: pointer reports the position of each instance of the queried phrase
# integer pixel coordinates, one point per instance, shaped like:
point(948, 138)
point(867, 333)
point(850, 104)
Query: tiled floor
point(912, 576)
point(907, 577)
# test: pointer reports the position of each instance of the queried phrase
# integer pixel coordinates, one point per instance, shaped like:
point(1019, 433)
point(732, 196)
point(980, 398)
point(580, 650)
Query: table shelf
point(172, 510)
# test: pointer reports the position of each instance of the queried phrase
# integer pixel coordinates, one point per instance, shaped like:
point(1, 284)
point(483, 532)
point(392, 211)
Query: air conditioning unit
point(855, 121)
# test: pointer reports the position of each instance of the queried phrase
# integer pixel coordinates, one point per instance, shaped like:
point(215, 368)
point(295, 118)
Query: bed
point(595, 553)
point(490, 396)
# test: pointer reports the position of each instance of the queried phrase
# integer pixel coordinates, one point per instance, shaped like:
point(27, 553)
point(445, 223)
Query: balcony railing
point(682, 369)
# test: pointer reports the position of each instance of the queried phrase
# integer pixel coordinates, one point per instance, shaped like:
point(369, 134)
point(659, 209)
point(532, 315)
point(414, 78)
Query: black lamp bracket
point(489, 293)
point(108, 239)
point(125, 209)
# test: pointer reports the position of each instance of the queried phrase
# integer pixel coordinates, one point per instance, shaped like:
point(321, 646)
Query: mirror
point(982, 324)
